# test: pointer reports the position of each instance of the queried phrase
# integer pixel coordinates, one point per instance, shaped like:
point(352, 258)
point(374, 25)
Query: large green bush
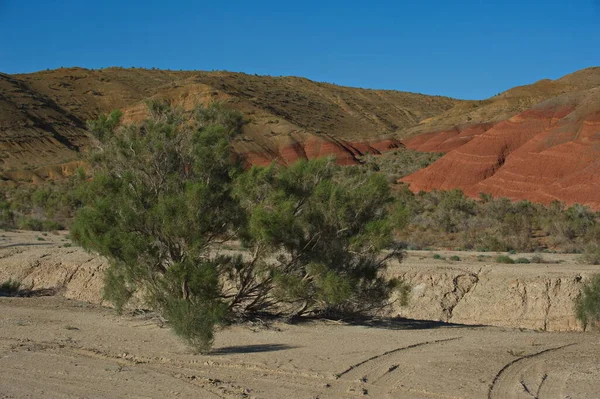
point(159, 202)
point(168, 192)
point(328, 234)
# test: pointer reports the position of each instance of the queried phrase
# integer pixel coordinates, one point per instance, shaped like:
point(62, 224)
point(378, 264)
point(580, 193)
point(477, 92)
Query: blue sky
point(464, 49)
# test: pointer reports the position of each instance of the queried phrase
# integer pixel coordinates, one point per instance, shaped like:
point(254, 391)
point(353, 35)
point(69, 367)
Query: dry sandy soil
point(51, 347)
point(54, 347)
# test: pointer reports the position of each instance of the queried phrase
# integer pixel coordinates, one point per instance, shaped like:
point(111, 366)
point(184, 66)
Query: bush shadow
point(25, 293)
point(392, 323)
point(240, 349)
point(401, 323)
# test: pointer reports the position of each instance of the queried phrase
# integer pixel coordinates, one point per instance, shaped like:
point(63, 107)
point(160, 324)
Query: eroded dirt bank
point(474, 290)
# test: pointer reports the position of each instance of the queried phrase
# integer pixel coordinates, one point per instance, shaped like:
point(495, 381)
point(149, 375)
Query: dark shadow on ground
point(30, 244)
point(23, 293)
point(401, 323)
point(392, 323)
point(228, 350)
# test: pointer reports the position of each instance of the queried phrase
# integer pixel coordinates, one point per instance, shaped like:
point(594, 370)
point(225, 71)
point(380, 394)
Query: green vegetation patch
point(504, 259)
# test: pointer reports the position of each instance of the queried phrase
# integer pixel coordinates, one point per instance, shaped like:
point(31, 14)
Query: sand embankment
point(472, 291)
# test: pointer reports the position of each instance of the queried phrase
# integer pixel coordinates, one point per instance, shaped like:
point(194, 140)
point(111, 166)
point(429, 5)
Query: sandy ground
point(51, 347)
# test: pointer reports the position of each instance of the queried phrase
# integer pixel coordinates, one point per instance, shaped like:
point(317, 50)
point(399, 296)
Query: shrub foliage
point(167, 193)
point(327, 235)
point(587, 306)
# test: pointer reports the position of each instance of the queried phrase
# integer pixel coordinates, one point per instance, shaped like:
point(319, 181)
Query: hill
point(43, 114)
point(549, 151)
point(538, 141)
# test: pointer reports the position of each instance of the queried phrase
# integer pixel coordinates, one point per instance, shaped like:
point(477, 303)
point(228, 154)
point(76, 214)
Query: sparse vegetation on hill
point(448, 219)
point(399, 162)
point(437, 219)
point(46, 207)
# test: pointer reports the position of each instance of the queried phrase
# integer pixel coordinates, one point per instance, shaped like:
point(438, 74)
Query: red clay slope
point(446, 140)
point(549, 152)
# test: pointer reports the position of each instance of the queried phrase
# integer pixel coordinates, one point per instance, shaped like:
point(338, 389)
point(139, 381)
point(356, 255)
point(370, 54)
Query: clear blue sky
point(464, 49)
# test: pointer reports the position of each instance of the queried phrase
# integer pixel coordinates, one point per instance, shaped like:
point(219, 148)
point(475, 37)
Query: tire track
point(501, 384)
point(218, 378)
point(379, 358)
point(133, 362)
point(554, 386)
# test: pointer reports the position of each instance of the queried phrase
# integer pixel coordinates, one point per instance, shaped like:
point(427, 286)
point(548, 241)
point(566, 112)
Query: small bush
point(504, 259)
point(591, 254)
point(437, 256)
point(512, 252)
point(455, 258)
point(522, 260)
point(537, 258)
point(30, 223)
point(587, 306)
point(10, 288)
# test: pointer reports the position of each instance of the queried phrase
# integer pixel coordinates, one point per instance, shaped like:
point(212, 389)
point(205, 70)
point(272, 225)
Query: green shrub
point(522, 260)
point(455, 258)
point(167, 193)
point(504, 259)
point(437, 256)
point(158, 225)
point(538, 258)
point(327, 227)
point(10, 288)
point(591, 254)
point(34, 224)
point(587, 305)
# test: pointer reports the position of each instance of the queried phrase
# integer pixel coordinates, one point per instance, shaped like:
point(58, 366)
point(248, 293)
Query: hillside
point(537, 141)
point(550, 151)
point(43, 114)
point(34, 129)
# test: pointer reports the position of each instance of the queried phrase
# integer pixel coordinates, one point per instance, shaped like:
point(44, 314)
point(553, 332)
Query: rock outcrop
point(550, 152)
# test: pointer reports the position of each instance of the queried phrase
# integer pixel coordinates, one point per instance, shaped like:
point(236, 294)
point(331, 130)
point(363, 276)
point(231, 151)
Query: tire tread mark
point(506, 366)
point(354, 366)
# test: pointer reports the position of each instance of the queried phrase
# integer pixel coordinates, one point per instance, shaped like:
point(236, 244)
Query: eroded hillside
point(550, 151)
point(288, 118)
point(538, 142)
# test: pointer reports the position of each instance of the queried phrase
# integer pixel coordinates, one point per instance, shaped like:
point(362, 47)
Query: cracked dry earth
point(52, 347)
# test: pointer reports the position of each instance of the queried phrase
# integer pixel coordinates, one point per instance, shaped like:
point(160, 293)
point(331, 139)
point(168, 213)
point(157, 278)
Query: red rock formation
point(314, 147)
point(447, 140)
point(550, 152)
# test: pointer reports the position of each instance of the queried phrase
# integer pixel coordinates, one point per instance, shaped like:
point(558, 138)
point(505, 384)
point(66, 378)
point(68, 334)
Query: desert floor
point(51, 347)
